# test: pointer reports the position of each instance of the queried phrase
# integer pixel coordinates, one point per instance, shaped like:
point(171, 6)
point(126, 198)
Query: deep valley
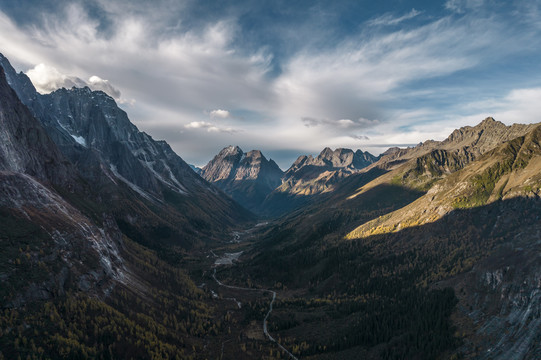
point(113, 247)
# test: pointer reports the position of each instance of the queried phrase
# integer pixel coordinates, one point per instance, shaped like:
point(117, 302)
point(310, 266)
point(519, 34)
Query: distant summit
point(328, 160)
point(309, 176)
point(247, 177)
point(196, 169)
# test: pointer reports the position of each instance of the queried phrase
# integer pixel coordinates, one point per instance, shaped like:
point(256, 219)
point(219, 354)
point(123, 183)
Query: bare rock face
point(25, 147)
point(224, 165)
point(328, 160)
point(95, 134)
point(463, 146)
point(55, 236)
point(126, 167)
point(484, 136)
point(309, 177)
point(247, 177)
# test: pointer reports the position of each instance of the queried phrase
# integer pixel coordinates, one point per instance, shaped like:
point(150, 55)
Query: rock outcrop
point(247, 177)
point(310, 177)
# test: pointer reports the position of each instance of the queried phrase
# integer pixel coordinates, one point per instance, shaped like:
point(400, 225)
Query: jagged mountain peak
point(309, 176)
point(25, 147)
point(19, 82)
point(326, 152)
point(464, 144)
point(86, 92)
point(247, 177)
point(301, 160)
point(334, 159)
point(255, 154)
point(338, 158)
point(130, 167)
point(32, 173)
point(489, 120)
point(230, 150)
point(223, 165)
point(484, 136)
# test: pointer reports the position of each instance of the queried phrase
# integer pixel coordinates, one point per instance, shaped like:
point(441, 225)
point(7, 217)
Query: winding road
point(265, 330)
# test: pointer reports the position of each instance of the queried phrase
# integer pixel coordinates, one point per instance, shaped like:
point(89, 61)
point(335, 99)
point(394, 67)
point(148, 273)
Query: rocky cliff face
point(485, 136)
point(142, 180)
point(343, 160)
point(500, 302)
point(464, 144)
point(224, 165)
point(93, 132)
point(309, 177)
point(247, 177)
point(25, 147)
point(50, 234)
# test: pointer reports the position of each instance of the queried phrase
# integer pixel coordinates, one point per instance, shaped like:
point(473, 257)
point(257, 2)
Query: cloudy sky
point(287, 77)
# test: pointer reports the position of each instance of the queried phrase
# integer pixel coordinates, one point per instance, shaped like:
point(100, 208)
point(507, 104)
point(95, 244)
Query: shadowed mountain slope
point(36, 218)
point(72, 285)
point(155, 196)
point(472, 224)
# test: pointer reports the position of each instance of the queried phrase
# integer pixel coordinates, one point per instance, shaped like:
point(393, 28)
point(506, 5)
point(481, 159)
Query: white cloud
point(222, 114)
point(460, 6)
point(354, 79)
point(517, 106)
point(198, 125)
point(210, 127)
point(389, 19)
point(97, 83)
point(47, 79)
point(346, 123)
point(190, 70)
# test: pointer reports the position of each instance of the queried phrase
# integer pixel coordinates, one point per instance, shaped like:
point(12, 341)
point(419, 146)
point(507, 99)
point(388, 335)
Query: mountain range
point(151, 191)
point(247, 177)
point(461, 214)
point(260, 185)
point(113, 247)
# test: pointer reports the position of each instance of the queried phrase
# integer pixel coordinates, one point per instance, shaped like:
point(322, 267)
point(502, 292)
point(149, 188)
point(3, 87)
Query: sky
point(287, 77)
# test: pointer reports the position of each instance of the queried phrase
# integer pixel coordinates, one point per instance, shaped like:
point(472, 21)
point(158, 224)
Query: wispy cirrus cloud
point(198, 73)
point(461, 6)
point(361, 123)
point(389, 19)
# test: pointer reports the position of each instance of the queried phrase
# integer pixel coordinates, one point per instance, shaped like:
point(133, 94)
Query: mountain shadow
point(284, 205)
point(327, 221)
point(393, 295)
